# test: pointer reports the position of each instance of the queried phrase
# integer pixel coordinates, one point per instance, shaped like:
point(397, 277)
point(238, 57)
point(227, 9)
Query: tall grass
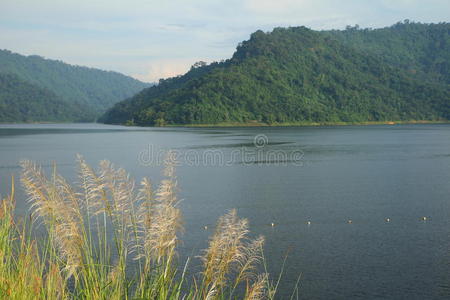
point(106, 238)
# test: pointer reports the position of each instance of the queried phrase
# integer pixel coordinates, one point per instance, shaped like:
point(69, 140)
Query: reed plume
point(225, 249)
point(120, 188)
point(93, 193)
point(57, 204)
point(144, 219)
point(159, 216)
point(250, 260)
point(231, 252)
point(95, 229)
point(259, 289)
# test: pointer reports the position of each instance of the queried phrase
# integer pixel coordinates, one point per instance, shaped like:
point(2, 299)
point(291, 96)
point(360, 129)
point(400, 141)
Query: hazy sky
point(150, 39)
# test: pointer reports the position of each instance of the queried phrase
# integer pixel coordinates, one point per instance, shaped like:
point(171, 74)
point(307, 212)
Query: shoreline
point(305, 124)
point(252, 124)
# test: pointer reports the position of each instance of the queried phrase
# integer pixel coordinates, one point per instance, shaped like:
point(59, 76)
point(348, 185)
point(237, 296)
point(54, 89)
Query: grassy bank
point(107, 239)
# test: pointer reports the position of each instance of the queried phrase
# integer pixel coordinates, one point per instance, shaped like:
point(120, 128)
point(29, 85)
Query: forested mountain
point(92, 91)
point(298, 75)
point(417, 48)
point(21, 101)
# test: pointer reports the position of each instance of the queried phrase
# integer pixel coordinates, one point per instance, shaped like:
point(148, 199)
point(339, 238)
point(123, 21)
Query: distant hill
point(91, 90)
point(21, 101)
point(297, 75)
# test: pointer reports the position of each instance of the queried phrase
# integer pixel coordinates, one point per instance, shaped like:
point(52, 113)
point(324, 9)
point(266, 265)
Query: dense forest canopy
point(298, 75)
point(90, 91)
point(21, 101)
point(415, 47)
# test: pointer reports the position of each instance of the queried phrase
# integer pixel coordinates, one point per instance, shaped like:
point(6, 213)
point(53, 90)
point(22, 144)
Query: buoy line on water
point(350, 221)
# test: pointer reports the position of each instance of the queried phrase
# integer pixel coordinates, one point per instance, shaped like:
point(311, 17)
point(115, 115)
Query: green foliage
point(297, 75)
point(21, 101)
point(92, 91)
point(423, 50)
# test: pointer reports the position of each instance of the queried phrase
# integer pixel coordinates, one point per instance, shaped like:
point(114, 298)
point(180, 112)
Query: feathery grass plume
point(97, 211)
point(94, 196)
point(259, 289)
point(159, 222)
point(110, 194)
point(164, 231)
point(21, 269)
point(144, 219)
point(232, 258)
point(249, 260)
point(56, 203)
point(226, 249)
point(165, 217)
point(67, 232)
point(119, 186)
point(212, 293)
point(145, 197)
point(36, 186)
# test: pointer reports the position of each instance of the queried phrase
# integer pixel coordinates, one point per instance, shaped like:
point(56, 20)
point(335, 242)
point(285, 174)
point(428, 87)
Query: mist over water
point(288, 177)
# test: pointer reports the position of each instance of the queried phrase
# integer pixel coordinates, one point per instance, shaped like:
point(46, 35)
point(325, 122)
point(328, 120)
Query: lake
point(289, 176)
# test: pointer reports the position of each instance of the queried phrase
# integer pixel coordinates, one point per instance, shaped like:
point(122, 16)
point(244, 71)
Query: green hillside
point(91, 89)
point(21, 101)
point(297, 75)
point(422, 49)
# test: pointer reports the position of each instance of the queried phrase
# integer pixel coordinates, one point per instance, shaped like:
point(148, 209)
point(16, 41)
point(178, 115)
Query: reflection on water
point(366, 174)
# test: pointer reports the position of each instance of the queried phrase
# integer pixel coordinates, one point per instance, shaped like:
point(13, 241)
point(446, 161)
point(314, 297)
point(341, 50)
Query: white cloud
point(152, 39)
point(157, 69)
point(275, 7)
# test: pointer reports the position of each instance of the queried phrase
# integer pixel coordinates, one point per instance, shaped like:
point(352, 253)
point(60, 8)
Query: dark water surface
point(325, 175)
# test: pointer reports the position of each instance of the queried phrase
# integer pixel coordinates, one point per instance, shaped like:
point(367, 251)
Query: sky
point(149, 39)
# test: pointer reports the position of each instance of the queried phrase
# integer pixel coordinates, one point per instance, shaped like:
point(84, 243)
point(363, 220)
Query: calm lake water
point(325, 175)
